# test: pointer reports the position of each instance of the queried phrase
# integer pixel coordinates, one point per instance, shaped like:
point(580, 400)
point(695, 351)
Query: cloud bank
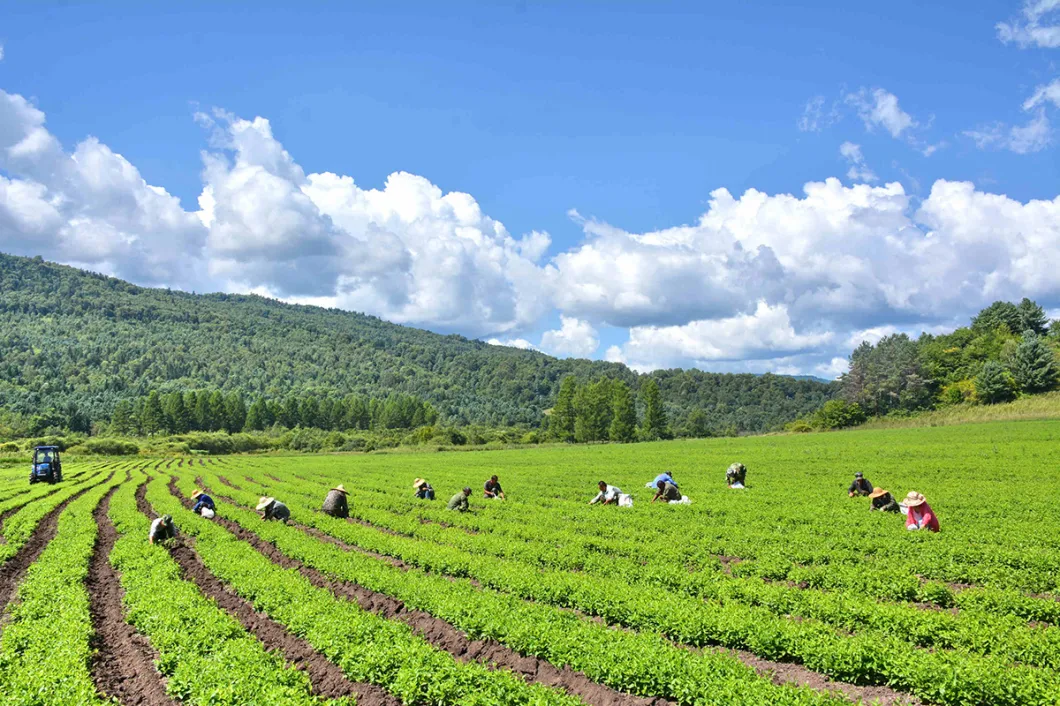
point(782, 282)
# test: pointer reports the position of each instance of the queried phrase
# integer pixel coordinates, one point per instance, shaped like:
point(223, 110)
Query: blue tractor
point(47, 466)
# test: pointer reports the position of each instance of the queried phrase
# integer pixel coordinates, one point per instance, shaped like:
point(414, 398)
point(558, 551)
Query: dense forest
point(74, 345)
point(1007, 351)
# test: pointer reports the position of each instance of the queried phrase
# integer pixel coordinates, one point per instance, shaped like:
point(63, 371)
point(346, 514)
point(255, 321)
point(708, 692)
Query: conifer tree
point(994, 384)
point(1034, 364)
point(564, 414)
point(623, 413)
point(153, 418)
point(655, 423)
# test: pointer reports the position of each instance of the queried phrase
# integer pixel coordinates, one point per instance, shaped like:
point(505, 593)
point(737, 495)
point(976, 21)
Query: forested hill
point(69, 336)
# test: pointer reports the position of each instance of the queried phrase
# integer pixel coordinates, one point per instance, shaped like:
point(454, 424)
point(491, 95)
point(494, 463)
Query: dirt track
point(326, 678)
point(444, 636)
point(12, 570)
point(124, 664)
point(778, 672)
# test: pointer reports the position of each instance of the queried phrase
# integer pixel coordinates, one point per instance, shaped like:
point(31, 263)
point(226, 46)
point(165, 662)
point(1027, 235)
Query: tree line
point(212, 410)
point(1008, 350)
point(606, 410)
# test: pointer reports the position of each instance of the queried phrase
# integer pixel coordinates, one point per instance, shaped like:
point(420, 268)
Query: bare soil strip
point(225, 481)
point(326, 678)
point(790, 673)
point(124, 665)
point(12, 570)
point(444, 636)
point(778, 672)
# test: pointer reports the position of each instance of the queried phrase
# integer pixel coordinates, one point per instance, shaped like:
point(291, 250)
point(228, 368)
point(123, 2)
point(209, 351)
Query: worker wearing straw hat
point(882, 501)
point(335, 503)
point(423, 489)
point(273, 509)
point(204, 504)
point(919, 514)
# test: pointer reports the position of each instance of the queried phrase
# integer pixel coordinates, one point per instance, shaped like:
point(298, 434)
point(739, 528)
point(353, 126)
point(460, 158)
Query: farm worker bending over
point(859, 486)
point(608, 494)
point(736, 475)
point(273, 509)
point(203, 505)
point(667, 491)
point(665, 476)
point(882, 501)
point(161, 529)
point(335, 502)
point(423, 489)
point(919, 514)
point(459, 501)
point(493, 489)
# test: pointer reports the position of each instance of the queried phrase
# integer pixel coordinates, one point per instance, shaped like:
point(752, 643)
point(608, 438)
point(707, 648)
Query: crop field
point(788, 592)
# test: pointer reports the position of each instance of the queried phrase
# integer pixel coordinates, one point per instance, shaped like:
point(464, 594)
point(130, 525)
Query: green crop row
point(206, 654)
point(20, 526)
point(570, 550)
point(1009, 636)
point(638, 662)
point(870, 656)
point(366, 647)
point(45, 650)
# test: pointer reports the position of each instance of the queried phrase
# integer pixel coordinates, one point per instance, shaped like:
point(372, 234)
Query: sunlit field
point(785, 592)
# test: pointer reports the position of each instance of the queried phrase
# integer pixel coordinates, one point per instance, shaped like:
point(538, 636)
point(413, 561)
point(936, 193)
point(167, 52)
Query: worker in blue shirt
point(202, 500)
point(665, 477)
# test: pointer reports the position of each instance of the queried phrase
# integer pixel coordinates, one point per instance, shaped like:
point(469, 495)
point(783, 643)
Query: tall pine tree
point(564, 415)
point(655, 424)
point(153, 418)
point(623, 413)
point(1034, 365)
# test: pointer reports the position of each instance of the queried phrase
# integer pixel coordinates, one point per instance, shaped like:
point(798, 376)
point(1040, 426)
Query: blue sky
point(605, 126)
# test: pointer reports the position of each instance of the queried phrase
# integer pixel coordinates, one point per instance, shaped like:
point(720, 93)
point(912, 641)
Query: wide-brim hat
point(196, 494)
point(340, 489)
point(913, 499)
point(417, 483)
point(878, 493)
point(264, 503)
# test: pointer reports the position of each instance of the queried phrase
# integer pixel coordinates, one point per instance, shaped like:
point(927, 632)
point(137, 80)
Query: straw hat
point(417, 483)
point(340, 489)
point(913, 499)
point(264, 503)
point(877, 493)
point(196, 494)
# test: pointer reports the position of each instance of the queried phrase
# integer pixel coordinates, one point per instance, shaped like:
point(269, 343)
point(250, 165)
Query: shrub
point(838, 414)
point(960, 392)
point(107, 447)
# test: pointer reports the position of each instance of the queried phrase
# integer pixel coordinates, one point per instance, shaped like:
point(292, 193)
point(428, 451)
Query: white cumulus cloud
point(520, 343)
point(574, 338)
point(767, 333)
point(1038, 27)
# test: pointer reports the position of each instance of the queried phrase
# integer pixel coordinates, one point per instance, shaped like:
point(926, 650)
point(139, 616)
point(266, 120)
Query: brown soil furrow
point(230, 484)
point(778, 672)
point(789, 673)
point(326, 678)
point(123, 667)
point(444, 636)
point(12, 570)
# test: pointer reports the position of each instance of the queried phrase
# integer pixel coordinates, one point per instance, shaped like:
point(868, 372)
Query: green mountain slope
point(69, 336)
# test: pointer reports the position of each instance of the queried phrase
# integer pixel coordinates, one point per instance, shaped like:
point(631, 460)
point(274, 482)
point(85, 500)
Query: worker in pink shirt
point(919, 514)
